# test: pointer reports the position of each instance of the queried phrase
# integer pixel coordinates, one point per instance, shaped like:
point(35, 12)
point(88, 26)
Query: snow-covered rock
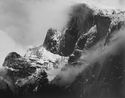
point(88, 30)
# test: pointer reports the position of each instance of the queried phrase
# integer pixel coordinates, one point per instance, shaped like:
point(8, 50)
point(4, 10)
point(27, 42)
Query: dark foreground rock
point(102, 80)
point(91, 38)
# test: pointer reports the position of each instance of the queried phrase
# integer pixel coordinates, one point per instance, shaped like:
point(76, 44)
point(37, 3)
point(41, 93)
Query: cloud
point(8, 45)
point(14, 19)
point(97, 54)
point(27, 21)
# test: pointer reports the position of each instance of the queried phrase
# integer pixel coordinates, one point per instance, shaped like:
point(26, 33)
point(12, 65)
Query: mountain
point(84, 60)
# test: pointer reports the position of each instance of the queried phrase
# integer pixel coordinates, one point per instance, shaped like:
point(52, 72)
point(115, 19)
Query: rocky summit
point(84, 60)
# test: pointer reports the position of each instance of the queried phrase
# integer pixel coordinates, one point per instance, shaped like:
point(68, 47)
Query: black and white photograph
point(62, 48)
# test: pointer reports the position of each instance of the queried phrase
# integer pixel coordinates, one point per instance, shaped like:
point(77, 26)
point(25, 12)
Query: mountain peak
point(64, 52)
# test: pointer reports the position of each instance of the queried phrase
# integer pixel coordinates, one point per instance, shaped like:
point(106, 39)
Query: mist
point(97, 54)
point(8, 45)
point(25, 22)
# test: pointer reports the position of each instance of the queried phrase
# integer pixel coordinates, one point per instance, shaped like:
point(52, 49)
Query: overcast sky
point(25, 22)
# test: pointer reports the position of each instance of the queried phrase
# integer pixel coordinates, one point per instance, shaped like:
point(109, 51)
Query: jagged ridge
point(87, 27)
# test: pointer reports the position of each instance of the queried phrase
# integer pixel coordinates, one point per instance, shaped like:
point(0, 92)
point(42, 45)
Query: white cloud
point(8, 45)
point(26, 21)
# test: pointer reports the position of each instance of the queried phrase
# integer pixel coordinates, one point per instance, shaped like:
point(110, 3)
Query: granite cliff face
point(89, 32)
